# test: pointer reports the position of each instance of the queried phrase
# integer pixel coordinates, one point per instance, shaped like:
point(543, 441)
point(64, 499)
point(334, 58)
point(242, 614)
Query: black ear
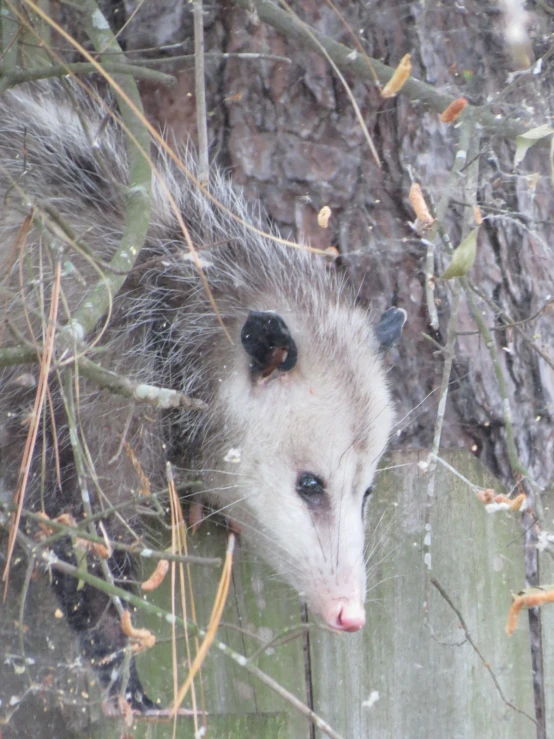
point(389, 328)
point(267, 341)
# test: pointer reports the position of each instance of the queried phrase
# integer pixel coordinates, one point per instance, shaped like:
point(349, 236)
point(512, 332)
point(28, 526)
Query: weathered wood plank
point(257, 610)
point(547, 615)
point(221, 726)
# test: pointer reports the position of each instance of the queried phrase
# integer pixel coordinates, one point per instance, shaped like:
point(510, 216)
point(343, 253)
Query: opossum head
point(306, 417)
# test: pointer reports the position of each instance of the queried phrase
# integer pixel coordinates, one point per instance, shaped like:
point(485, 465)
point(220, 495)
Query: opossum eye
point(368, 492)
point(311, 488)
point(367, 496)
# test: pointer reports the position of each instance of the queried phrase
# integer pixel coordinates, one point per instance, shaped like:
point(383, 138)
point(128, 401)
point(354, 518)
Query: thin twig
point(452, 186)
point(138, 195)
point(160, 397)
point(517, 325)
point(9, 79)
point(449, 357)
point(515, 462)
point(486, 664)
point(200, 90)
point(137, 550)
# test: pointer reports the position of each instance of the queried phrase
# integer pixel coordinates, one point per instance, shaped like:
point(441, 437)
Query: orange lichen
point(489, 497)
point(141, 639)
point(398, 79)
point(514, 504)
point(453, 111)
point(66, 519)
point(486, 496)
point(323, 216)
point(424, 218)
point(526, 600)
point(92, 546)
point(156, 578)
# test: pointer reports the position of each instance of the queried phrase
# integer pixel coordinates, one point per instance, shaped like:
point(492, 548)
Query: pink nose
point(346, 616)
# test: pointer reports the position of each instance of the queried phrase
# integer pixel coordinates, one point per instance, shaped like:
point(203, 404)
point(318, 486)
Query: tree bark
point(289, 135)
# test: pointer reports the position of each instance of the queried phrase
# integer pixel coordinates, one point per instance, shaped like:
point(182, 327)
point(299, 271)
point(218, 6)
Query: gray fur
point(331, 415)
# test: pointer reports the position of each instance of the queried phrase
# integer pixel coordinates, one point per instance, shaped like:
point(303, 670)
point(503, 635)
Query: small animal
point(267, 338)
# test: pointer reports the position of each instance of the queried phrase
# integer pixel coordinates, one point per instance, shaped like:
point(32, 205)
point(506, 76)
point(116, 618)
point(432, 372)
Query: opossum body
point(298, 407)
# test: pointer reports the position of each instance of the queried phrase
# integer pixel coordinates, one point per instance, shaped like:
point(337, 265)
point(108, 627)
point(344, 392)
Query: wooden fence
point(410, 674)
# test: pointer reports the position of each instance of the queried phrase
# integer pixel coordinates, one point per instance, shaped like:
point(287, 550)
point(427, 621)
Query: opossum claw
point(389, 328)
point(135, 697)
point(267, 341)
point(135, 694)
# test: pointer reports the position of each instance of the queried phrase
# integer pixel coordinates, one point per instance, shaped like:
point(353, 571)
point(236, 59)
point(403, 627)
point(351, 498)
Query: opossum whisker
point(400, 421)
point(374, 565)
point(241, 522)
point(207, 491)
point(211, 470)
point(376, 584)
point(370, 562)
point(370, 538)
point(341, 496)
point(385, 531)
point(373, 586)
point(260, 532)
point(288, 566)
point(317, 533)
point(376, 416)
point(396, 466)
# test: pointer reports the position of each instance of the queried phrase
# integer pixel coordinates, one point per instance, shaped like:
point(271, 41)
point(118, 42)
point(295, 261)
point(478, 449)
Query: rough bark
point(289, 135)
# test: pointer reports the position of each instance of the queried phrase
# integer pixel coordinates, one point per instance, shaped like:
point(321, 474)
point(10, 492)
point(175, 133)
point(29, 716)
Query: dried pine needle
point(217, 611)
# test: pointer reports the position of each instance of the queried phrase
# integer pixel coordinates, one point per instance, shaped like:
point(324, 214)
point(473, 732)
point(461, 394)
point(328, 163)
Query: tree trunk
point(289, 134)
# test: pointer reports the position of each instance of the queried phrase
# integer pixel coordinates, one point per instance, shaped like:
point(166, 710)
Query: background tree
point(475, 368)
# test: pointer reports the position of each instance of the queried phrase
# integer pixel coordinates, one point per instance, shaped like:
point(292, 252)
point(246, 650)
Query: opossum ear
point(389, 328)
point(267, 341)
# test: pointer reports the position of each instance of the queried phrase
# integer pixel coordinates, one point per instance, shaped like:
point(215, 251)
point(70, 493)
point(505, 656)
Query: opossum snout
point(345, 615)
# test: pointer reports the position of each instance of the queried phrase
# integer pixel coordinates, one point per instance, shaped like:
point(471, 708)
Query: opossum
point(297, 408)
